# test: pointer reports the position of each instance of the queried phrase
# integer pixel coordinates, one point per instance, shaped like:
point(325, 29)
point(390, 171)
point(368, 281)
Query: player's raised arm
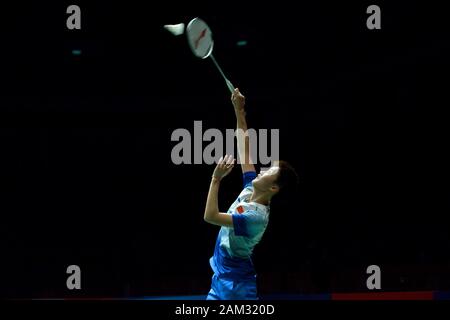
point(212, 214)
point(243, 144)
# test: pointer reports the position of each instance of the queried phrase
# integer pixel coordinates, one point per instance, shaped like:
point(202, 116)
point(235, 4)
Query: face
point(265, 181)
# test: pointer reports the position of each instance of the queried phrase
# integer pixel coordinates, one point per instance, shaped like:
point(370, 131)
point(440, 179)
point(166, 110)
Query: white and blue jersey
point(234, 246)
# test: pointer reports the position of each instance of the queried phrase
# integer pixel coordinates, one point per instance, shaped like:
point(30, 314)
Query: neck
point(260, 197)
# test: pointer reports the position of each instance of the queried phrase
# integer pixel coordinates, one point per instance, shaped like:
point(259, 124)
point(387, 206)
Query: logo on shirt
point(240, 209)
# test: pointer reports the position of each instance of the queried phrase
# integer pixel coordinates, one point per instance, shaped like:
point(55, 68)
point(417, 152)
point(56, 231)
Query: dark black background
point(86, 175)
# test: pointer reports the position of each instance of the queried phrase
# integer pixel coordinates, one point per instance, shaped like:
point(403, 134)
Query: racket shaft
point(229, 84)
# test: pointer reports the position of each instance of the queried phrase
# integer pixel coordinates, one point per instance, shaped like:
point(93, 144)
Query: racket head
point(199, 37)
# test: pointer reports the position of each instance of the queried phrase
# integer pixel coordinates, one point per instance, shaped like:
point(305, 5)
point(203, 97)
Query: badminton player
point(243, 225)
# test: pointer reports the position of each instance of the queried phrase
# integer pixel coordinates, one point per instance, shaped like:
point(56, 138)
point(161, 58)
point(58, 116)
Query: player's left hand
point(224, 167)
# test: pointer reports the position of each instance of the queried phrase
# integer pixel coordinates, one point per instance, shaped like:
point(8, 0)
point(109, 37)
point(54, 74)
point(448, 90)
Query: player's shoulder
point(254, 213)
point(248, 177)
point(261, 211)
point(245, 194)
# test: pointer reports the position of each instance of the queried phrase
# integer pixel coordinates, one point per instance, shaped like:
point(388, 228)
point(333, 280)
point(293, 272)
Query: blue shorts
point(226, 289)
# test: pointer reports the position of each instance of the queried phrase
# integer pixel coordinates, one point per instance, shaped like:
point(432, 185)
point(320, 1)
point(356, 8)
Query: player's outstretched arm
point(212, 214)
point(242, 137)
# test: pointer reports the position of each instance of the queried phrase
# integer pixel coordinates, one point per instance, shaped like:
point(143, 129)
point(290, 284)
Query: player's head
point(279, 177)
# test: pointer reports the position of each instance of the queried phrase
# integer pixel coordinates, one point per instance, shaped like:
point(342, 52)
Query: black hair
point(288, 178)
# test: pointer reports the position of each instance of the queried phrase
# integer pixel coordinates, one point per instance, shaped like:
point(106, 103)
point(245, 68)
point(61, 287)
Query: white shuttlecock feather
point(175, 29)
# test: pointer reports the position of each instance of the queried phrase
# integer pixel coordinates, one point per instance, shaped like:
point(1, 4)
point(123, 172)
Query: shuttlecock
point(175, 29)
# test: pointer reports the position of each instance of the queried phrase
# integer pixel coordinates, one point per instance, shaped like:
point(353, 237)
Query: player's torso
point(240, 246)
